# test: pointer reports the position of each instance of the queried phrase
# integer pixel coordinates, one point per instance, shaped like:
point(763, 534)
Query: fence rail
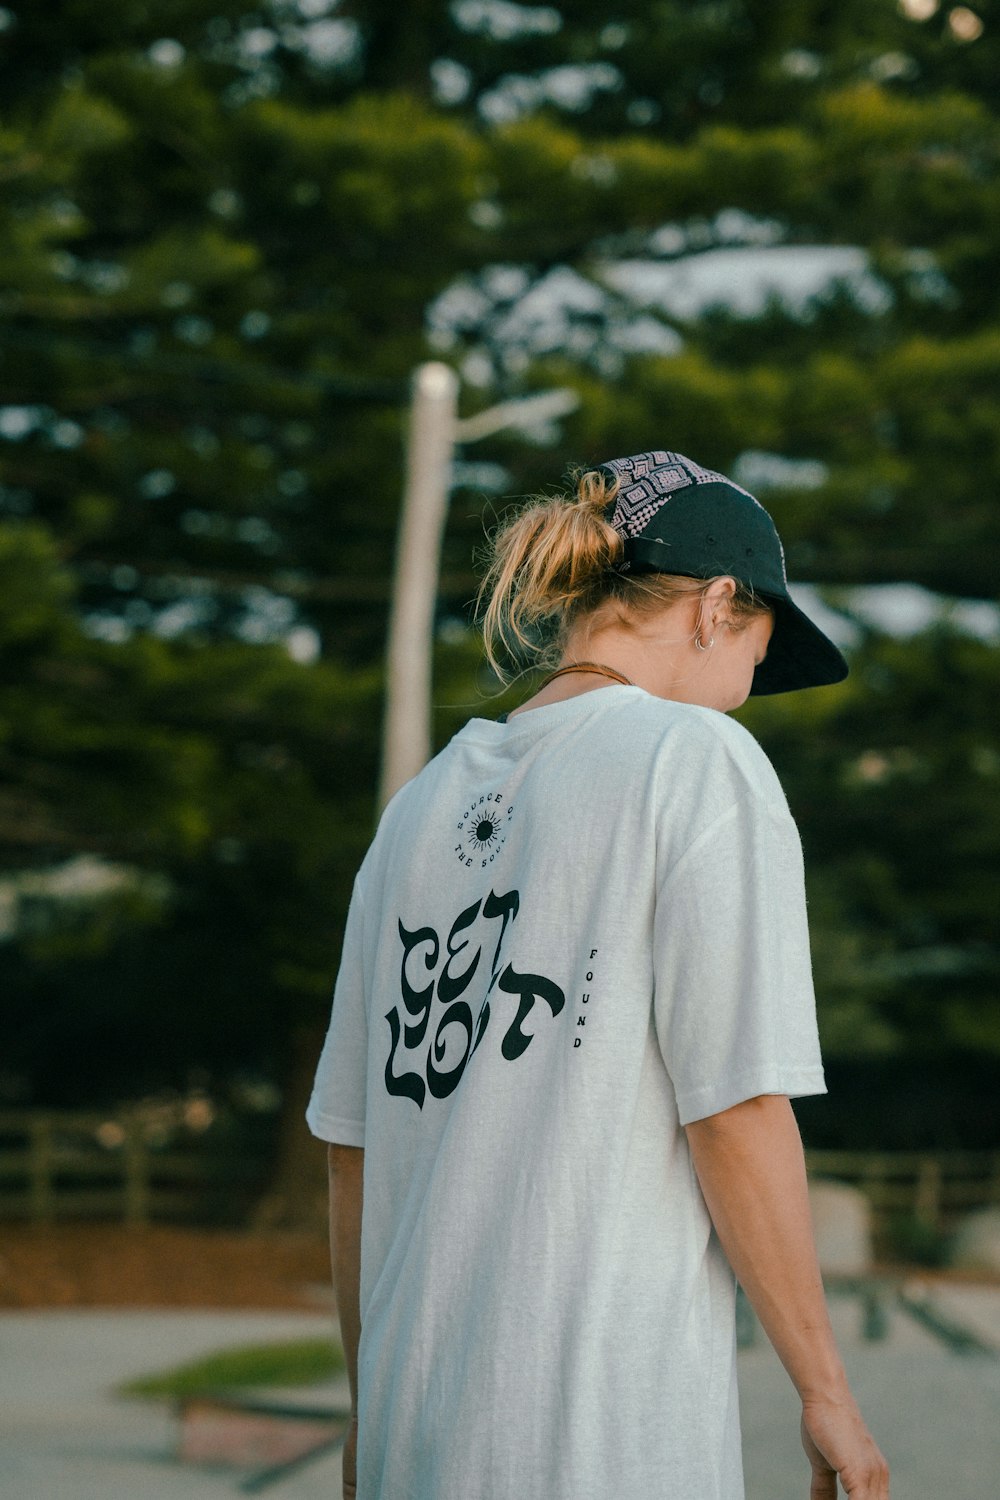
point(68, 1165)
point(74, 1165)
point(914, 1195)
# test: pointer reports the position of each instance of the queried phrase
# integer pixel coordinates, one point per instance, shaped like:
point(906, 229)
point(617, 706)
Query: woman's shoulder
point(713, 745)
point(706, 726)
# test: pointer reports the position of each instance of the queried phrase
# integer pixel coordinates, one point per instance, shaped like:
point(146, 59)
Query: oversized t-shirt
point(573, 934)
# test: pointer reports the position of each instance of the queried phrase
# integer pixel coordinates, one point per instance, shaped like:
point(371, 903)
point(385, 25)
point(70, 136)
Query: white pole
point(406, 742)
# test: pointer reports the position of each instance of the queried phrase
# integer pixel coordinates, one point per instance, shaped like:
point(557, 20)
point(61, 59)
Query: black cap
point(677, 517)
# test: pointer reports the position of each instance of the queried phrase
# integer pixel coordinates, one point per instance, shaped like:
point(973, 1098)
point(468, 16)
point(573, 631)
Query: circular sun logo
point(483, 829)
point(485, 834)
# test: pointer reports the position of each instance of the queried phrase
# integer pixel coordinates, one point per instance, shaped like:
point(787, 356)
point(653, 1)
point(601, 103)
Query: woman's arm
point(346, 1196)
point(750, 1165)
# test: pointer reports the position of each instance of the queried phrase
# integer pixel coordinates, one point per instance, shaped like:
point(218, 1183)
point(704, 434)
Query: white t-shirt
point(573, 934)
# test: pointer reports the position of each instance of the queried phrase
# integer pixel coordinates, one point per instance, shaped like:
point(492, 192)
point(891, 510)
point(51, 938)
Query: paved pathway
point(64, 1435)
point(935, 1414)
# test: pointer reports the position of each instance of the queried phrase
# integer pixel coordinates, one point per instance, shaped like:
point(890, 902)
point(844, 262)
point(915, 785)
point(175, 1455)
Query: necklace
point(587, 666)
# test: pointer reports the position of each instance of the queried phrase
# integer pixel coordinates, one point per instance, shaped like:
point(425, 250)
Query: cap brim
point(799, 654)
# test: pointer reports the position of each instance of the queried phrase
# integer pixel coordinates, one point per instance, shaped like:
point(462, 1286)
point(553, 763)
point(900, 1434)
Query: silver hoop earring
point(699, 644)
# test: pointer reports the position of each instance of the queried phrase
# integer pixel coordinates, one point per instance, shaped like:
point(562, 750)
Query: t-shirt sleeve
point(336, 1110)
point(734, 1007)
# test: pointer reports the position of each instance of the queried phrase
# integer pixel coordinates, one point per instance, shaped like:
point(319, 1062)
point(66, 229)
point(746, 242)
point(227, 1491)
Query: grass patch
point(298, 1362)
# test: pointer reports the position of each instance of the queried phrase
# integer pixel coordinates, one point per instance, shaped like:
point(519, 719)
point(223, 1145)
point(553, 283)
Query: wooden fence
point(73, 1165)
point(925, 1191)
point(70, 1165)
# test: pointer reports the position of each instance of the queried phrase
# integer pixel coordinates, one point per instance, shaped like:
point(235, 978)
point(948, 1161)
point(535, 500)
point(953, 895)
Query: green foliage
point(895, 801)
point(298, 1362)
point(223, 233)
point(914, 1242)
point(33, 587)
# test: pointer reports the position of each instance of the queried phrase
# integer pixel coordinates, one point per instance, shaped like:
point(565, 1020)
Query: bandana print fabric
point(647, 482)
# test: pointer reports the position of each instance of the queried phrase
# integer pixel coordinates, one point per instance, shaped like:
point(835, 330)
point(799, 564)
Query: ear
point(716, 599)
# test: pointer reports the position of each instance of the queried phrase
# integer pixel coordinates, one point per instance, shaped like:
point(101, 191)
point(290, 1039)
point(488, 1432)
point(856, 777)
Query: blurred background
point(763, 234)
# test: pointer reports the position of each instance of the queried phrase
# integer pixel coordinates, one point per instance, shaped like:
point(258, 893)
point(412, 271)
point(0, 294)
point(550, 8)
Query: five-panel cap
point(677, 517)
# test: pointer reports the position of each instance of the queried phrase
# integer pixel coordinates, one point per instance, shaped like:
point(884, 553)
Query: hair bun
point(546, 564)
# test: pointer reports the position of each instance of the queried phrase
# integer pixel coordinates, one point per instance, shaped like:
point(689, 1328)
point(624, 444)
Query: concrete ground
point(64, 1435)
point(934, 1413)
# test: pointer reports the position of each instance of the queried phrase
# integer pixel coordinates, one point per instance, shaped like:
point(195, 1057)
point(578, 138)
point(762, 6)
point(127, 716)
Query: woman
point(574, 999)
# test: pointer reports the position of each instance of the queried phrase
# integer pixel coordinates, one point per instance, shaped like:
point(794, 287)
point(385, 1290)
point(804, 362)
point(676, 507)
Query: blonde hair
point(554, 561)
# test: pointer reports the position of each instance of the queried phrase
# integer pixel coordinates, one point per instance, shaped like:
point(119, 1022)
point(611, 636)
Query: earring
point(699, 644)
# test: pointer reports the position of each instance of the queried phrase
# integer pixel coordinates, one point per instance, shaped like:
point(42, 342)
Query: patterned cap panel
point(713, 531)
point(647, 481)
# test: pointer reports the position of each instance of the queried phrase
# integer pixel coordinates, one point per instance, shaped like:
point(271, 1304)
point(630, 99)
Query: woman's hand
point(751, 1169)
point(838, 1443)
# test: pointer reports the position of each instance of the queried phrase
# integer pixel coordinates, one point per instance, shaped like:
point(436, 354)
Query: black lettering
point(577, 1040)
point(483, 1019)
point(593, 952)
point(501, 906)
point(528, 988)
point(407, 1085)
point(417, 1002)
point(459, 1029)
point(451, 986)
point(581, 1020)
point(443, 1083)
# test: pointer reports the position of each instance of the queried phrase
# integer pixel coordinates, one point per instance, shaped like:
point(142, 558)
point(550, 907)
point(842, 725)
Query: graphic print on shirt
point(482, 830)
point(581, 1019)
point(451, 968)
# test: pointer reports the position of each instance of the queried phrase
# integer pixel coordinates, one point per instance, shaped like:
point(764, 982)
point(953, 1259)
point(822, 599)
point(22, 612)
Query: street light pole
point(407, 729)
point(434, 431)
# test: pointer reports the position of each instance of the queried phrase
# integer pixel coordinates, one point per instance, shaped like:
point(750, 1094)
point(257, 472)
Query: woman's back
point(574, 997)
point(539, 987)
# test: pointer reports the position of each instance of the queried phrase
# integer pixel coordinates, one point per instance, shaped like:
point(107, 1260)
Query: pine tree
point(229, 234)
